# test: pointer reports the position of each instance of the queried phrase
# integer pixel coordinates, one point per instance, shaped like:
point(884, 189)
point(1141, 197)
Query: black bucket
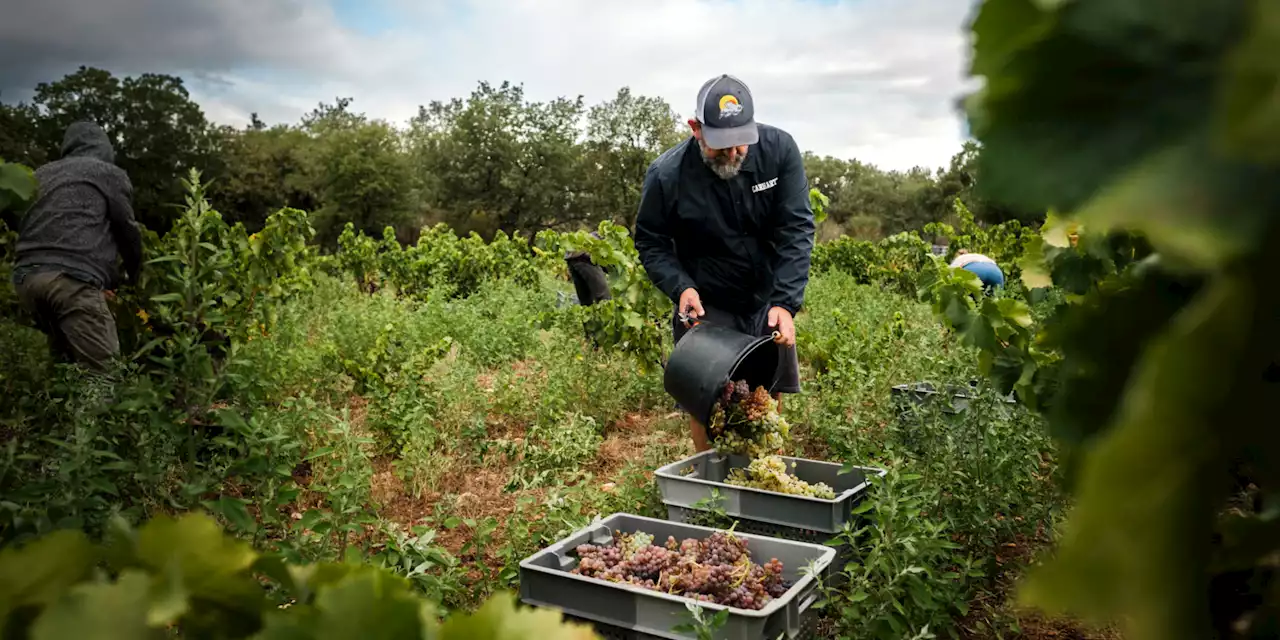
point(708, 356)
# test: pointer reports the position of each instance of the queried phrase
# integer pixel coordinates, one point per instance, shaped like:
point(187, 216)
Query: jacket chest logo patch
point(764, 185)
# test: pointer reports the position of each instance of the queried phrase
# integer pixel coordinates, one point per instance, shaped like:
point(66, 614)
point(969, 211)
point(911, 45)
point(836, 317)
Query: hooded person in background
point(68, 244)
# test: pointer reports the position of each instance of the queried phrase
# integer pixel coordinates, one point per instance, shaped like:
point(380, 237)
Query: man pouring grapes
point(724, 227)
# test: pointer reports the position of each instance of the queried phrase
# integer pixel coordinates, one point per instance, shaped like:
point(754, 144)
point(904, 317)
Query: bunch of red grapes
point(717, 569)
point(750, 405)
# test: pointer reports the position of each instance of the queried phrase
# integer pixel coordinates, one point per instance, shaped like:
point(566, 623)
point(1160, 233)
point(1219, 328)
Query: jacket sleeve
point(125, 227)
point(793, 231)
point(654, 240)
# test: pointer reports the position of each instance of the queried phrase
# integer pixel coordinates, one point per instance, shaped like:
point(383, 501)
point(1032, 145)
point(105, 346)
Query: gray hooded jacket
point(82, 218)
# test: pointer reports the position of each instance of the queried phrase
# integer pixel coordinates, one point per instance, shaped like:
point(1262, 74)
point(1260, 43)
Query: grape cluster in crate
point(716, 569)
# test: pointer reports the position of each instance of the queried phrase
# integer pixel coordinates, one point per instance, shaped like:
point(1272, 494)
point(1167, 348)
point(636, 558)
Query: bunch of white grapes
point(747, 423)
point(770, 474)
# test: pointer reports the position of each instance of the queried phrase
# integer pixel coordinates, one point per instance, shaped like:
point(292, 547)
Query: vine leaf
point(110, 611)
point(370, 604)
point(1050, 143)
point(501, 619)
point(1032, 264)
point(17, 186)
point(1004, 28)
point(41, 571)
point(213, 565)
point(1248, 122)
point(1138, 540)
point(1177, 198)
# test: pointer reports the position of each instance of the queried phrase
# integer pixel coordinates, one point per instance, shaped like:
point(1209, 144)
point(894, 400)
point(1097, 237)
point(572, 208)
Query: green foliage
point(17, 190)
point(624, 136)
point(818, 202)
point(555, 445)
point(1001, 328)
point(894, 201)
point(361, 176)
point(635, 319)
point(901, 584)
point(963, 490)
point(894, 262)
point(1003, 242)
point(963, 180)
point(501, 163)
point(265, 169)
point(185, 575)
point(17, 187)
point(858, 258)
point(702, 624)
point(1170, 104)
point(205, 282)
point(440, 262)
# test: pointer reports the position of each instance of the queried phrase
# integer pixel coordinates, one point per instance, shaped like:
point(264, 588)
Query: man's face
point(723, 162)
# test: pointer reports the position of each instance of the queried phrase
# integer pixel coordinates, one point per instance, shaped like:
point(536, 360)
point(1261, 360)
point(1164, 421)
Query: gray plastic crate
point(687, 482)
point(545, 581)
point(610, 632)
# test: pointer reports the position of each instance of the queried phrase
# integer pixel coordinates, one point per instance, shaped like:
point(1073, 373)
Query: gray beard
point(723, 171)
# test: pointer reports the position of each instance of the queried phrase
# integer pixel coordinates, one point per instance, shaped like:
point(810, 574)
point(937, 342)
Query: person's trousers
point(74, 315)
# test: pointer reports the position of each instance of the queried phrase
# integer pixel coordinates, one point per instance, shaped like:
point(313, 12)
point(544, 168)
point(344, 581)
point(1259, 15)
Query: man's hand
point(780, 320)
point(691, 304)
point(109, 295)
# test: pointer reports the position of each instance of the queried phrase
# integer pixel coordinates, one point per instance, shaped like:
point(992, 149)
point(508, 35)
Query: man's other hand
point(109, 295)
point(691, 304)
point(780, 320)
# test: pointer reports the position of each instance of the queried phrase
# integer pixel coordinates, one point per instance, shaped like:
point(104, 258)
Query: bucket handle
point(692, 321)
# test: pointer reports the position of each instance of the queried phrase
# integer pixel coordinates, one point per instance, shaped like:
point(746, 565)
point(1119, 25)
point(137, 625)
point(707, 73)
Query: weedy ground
point(450, 438)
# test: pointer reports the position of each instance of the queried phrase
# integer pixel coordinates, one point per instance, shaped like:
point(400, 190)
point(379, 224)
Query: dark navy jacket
point(744, 243)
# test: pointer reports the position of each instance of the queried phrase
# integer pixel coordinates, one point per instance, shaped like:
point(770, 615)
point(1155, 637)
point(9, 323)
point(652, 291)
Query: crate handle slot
point(808, 601)
point(601, 535)
point(566, 561)
point(796, 608)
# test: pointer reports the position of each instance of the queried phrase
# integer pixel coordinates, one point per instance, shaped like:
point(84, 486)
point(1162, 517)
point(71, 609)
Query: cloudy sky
point(870, 79)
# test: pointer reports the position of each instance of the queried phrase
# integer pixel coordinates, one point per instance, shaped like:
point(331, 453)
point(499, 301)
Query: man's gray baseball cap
point(727, 113)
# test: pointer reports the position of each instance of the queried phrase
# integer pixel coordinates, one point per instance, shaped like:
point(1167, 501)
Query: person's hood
point(86, 139)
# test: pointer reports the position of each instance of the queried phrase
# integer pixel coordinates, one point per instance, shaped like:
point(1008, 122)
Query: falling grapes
point(716, 569)
point(747, 422)
point(770, 473)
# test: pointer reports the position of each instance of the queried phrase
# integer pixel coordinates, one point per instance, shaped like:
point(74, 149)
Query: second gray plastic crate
point(686, 483)
point(611, 632)
point(545, 581)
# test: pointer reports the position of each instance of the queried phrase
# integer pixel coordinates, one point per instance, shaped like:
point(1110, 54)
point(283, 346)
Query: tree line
point(492, 161)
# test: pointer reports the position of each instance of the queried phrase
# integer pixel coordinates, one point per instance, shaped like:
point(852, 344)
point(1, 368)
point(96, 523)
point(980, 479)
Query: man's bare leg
point(699, 433)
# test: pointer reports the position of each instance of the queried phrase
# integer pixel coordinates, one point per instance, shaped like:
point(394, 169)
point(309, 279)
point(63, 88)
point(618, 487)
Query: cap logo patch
point(729, 106)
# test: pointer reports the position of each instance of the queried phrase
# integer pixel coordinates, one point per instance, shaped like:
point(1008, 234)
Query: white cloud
point(872, 79)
